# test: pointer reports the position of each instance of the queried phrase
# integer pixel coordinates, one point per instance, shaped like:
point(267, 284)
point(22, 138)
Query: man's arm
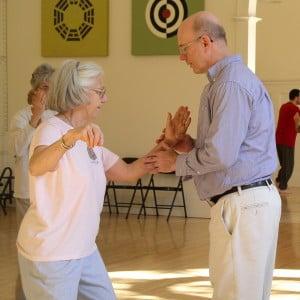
point(297, 122)
point(231, 111)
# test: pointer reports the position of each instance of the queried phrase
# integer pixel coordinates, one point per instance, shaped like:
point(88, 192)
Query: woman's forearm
point(123, 172)
point(46, 158)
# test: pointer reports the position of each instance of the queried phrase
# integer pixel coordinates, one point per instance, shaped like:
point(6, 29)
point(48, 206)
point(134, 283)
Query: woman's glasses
point(100, 92)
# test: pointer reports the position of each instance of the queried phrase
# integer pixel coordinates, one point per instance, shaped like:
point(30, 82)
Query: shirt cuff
point(181, 167)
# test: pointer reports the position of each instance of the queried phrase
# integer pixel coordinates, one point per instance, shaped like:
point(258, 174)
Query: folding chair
point(6, 189)
point(111, 185)
point(153, 187)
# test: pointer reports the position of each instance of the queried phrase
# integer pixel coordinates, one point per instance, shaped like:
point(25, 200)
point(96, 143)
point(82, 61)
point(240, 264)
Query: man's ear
point(206, 40)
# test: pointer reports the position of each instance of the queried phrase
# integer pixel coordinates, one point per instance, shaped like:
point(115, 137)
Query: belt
point(266, 182)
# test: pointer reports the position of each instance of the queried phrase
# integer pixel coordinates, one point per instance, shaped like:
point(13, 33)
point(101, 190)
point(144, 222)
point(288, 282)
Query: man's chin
point(197, 71)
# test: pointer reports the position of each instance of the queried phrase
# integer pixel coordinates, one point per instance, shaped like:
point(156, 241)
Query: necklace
point(67, 120)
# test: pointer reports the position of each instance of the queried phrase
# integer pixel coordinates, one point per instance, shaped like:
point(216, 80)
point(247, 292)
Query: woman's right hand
point(37, 98)
point(91, 134)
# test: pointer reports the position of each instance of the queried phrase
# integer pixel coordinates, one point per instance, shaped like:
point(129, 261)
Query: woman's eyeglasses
point(100, 92)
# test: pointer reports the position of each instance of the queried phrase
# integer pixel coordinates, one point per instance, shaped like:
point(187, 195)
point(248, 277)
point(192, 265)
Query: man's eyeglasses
point(183, 48)
point(100, 92)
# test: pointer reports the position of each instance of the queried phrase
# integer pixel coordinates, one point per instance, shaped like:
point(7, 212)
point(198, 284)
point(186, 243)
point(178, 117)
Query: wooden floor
point(153, 259)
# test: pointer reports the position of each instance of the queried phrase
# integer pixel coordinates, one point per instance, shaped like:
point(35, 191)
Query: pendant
point(91, 153)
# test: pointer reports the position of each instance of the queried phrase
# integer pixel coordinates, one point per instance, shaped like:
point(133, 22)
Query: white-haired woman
point(22, 128)
point(58, 256)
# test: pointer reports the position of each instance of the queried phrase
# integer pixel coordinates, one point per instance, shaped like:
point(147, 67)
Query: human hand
point(91, 134)
point(148, 167)
point(176, 126)
point(37, 98)
point(162, 161)
point(297, 117)
point(161, 146)
point(161, 137)
point(185, 145)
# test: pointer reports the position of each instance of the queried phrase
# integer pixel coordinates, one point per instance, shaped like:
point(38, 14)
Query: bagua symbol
point(163, 17)
point(65, 8)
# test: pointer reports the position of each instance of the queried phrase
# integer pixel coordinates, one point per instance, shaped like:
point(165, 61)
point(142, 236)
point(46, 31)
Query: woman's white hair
point(40, 75)
point(68, 86)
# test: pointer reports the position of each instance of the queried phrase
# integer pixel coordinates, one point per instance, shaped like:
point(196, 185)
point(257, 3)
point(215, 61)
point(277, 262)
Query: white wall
point(278, 59)
point(142, 89)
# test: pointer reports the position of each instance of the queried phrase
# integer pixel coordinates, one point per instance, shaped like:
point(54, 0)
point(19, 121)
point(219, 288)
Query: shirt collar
point(214, 70)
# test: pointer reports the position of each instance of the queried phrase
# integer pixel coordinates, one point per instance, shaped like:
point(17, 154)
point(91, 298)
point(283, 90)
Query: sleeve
point(231, 108)
point(20, 134)
point(45, 135)
point(108, 158)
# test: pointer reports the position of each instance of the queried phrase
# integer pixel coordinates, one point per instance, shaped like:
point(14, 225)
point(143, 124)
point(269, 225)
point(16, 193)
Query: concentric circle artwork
point(164, 17)
point(155, 24)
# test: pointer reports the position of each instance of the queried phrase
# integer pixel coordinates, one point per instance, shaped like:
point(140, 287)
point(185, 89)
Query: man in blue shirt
point(231, 161)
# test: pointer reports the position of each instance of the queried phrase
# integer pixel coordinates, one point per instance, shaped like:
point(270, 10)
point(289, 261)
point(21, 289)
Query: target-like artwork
point(74, 27)
point(155, 24)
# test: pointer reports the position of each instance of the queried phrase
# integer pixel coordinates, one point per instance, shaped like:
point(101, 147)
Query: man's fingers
point(161, 138)
point(164, 146)
point(185, 115)
point(169, 118)
point(151, 167)
point(150, 158)
point(188, 122)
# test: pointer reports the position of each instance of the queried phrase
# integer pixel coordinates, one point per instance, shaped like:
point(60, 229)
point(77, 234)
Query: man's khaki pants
point(243, 240)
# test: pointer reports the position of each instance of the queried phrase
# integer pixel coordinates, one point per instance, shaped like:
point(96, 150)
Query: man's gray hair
point(68, 86)
point(214, 30)
point(40, 75)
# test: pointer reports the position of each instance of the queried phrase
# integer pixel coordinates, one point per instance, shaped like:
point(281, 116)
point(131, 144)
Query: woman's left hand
point(91, 134)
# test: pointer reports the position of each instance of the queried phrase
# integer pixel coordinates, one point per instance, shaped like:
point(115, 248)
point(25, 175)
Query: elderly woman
point(58, 256)
point(22, 128)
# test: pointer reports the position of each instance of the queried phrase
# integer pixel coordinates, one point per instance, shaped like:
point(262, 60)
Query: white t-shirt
point(21, 133)
point(63, 219)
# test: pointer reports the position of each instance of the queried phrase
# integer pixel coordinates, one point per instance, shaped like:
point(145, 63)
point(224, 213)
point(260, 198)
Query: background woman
point(22, 128)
